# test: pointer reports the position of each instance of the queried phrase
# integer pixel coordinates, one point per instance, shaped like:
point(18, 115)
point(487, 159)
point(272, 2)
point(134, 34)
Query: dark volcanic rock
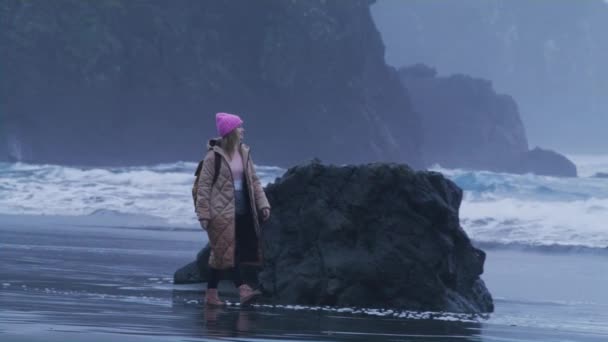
point(465, 124)
point(196, 271)
point(379, 235)
point(129, 82)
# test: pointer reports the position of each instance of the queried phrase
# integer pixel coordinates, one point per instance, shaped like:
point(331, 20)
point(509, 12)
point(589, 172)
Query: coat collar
point(214, 144)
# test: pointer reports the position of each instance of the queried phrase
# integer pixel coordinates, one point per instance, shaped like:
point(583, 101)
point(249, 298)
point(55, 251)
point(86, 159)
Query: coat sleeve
point(203, 192)
point(261, 201)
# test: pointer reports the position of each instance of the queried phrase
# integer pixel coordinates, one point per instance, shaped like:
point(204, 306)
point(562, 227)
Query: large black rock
point(379, 235)
point(196, 271)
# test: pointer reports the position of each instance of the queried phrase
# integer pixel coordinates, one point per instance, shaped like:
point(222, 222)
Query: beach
point(75, 279)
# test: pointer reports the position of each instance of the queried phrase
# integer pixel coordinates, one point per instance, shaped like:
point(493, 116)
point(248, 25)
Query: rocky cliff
point(550, 55)
point(131, 82)
point(466, 124)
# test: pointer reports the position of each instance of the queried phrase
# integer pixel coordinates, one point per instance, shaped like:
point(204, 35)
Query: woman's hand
point(265, 214)
point(204, 224)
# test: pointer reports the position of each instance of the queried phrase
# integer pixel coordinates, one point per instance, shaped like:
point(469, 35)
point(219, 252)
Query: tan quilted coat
point(217, 204)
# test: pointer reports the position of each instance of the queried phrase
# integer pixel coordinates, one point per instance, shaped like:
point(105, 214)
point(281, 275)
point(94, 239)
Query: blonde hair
point(230, 142)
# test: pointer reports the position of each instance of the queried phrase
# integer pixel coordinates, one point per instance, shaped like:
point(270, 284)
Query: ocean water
point(498, 208)
point(161, 192)
point(536, 211)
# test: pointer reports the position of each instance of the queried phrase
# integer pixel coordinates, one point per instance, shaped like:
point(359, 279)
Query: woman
point(228, 207)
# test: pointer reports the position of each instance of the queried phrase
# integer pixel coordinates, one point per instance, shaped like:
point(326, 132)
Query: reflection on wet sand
point(221, 322)
point(305, 325)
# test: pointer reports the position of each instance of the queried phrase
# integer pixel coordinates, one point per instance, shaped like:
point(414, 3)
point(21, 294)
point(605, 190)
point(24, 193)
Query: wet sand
point(65, 280)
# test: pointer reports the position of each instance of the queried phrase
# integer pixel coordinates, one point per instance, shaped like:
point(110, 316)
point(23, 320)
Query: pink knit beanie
point(226, 123)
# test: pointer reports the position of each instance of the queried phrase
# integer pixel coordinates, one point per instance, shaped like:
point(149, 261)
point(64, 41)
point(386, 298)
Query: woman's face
point(241, 131)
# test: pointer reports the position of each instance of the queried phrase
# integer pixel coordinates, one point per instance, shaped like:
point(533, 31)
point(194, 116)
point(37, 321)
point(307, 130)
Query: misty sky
point(555, 68)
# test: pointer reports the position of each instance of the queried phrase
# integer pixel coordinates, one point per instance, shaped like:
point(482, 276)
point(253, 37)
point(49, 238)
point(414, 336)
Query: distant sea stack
point(601, 175)
point(128, 82)
point(466, 124)
point(377, 235)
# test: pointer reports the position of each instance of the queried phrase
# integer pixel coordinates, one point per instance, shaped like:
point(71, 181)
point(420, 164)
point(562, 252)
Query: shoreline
point(65, 282)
